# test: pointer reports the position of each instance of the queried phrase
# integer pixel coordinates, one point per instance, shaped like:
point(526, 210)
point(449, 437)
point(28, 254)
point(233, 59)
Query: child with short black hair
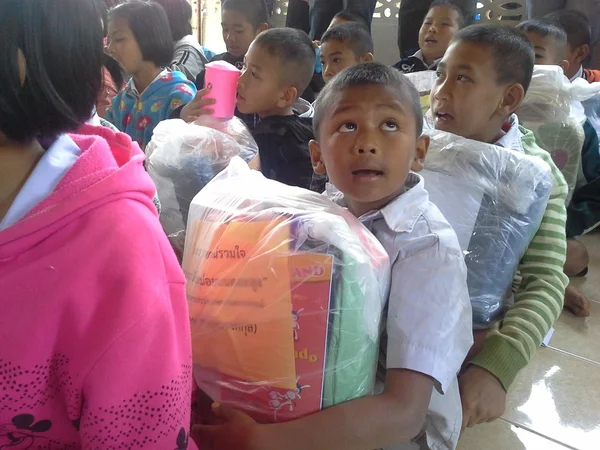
point(481, 81)
point(368, 131)
point(242, 21)
point(549, 42)
point(94, 312)
point(349, 15)
point(140, 39)
point(188, 56)
point(278, 68)
point(343, 46)
point(583, 212)
point(441, 23)
point(579, 42)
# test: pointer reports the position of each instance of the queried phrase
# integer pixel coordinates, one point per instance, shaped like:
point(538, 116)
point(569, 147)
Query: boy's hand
point(483, 396)
point(235, 431)
point(198, 107)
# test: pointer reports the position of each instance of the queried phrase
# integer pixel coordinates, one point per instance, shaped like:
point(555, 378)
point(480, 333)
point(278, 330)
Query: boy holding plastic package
point(583, 212)
point(368, 125)
point(481, 82)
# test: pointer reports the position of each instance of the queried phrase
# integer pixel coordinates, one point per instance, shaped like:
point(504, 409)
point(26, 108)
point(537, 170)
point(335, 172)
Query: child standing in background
point(343, 46)
point(242, 21)
point(443, 20)
point(94, 328)
point(141, 40)
point(188, 56)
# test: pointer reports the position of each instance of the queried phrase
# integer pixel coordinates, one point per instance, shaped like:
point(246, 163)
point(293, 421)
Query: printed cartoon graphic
point(296, 324)
point(277, 400)
point(23, 431)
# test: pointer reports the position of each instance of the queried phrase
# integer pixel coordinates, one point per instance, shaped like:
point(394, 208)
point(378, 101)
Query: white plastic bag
point(495, 199)
point(182, 158)
point(552, 109)
point(286, 291)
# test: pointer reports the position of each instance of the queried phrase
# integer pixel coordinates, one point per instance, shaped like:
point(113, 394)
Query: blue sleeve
point(181, 95)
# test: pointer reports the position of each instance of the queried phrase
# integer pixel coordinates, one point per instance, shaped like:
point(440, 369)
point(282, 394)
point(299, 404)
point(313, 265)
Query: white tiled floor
point(555, 402)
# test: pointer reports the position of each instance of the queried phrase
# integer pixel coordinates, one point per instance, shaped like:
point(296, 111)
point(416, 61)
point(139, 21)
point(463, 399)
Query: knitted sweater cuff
point(501, 359)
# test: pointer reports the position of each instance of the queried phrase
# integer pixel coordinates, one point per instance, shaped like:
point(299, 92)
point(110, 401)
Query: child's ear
point(262, 27)
point(564, 65)
point(513, 97)
point(288, 97)
point(421, 152)
point(315, 156)
point(367, 57)
point(581, 53)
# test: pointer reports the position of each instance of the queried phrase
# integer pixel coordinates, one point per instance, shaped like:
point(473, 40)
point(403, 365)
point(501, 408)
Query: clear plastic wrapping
point(423, 81)
point(552, 110)
point(495, 199)
point(286, 292)
point(183, 158)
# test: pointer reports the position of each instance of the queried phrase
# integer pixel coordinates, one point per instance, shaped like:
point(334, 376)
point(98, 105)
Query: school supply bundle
point(553, 111)
point(183, 158)
point(495, 199)
point(286, 292)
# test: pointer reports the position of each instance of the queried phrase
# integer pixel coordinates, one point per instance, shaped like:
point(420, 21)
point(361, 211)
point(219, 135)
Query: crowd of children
point(94, 332)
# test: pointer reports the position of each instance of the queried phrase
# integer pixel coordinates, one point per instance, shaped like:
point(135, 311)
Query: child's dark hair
point(544, 28)
point(150, 26)
point(61, 87)
point(463, 20)
point(352, 15)
point(295, 51)
point(255, 11)
point(512, 52)
point(353, 34)
point(179, 13)
point(575, 24)
point(368, 74)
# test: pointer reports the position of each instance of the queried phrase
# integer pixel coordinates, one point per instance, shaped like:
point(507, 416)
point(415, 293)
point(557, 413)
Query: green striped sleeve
point(540, 295)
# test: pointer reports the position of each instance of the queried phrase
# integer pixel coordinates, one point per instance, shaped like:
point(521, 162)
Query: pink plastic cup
point(222, 78)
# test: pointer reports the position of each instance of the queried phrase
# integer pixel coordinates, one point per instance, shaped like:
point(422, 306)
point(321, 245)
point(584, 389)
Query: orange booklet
point(259, 315)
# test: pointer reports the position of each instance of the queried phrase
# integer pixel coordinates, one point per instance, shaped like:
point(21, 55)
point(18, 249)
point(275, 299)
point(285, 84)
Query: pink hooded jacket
point(95, 347)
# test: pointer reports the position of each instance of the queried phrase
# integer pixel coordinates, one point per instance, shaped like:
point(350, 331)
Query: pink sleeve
point(138, 395)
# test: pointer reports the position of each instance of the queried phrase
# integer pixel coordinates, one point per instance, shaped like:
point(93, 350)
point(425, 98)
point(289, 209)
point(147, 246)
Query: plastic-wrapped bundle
point(183, 158)
point(286, 291)
point(552, 110)
point(423, 81)
point(495, 199)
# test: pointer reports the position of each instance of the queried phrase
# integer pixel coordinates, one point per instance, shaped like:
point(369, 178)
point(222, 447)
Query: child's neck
point(145, 76)
point(287, 111)
point(17, 161)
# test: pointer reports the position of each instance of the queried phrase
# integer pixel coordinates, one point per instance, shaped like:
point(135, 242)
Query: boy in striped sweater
point(482, 80)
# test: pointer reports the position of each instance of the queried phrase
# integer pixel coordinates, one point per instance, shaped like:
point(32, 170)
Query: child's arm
point(395, 416)
point(428, 335)
point(538, 303)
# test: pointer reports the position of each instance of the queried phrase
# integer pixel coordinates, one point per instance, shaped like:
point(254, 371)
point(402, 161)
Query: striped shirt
point(539, 296)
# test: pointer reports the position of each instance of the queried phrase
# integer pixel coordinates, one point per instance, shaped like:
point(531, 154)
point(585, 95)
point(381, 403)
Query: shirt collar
point(133, 90)
point(579, 74)
point(401, 214)
point(420, 56)
point(512, 139)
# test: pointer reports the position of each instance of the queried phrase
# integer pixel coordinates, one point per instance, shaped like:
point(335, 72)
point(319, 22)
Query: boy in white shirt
point(368, 128)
